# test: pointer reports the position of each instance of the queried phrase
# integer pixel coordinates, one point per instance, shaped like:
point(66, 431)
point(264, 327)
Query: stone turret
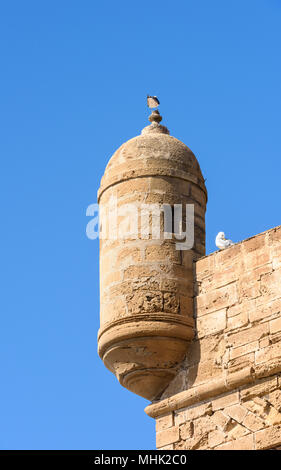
point(146, 280)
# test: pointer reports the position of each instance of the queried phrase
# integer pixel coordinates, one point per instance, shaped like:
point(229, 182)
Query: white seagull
point(221, 241)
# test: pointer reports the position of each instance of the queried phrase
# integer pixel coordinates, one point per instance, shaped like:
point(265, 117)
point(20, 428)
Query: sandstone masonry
point(227, 394)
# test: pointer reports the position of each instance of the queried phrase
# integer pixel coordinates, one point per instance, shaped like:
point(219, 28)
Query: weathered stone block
point(275, 325)
point(226, 400)
point(237, 321)
point(171, 303)
point(236, 412)
point(167, 436)
point(248, 335)
point(216, 300)
point(262, 388)
point(244, 443)
point(212, 323)
point(253, 422)
point(275, 399)
point(220, 420)
point(268, 438)
point(266, 354)
point(215, 438)
point(164, 422)
point(245, 349)
point(186, 430)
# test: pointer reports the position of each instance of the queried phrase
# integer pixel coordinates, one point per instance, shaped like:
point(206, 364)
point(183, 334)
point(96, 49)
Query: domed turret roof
point(152, 153)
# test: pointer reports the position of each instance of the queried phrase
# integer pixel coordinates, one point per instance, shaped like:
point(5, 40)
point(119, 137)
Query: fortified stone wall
point(227, 394)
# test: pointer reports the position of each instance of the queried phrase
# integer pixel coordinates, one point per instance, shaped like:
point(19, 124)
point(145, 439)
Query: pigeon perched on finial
point(221, 241)
point(152, 102)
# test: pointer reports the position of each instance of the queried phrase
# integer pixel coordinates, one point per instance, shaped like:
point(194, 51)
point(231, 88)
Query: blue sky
point(74, 78)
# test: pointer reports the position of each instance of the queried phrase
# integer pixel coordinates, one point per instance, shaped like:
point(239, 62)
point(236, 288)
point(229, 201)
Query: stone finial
point(155, 118)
